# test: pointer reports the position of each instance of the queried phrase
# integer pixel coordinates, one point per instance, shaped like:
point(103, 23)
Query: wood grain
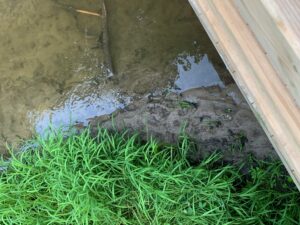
point(276, 26)
point(268, 95)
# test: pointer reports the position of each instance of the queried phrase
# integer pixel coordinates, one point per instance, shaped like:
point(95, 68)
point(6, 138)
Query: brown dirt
point(215, 119)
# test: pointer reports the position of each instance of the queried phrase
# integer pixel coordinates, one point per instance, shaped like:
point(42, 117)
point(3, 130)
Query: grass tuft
point(114, 178)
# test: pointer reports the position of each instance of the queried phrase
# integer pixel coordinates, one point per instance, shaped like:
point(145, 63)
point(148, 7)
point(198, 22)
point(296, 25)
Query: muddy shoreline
point(216, 119)
point(166, 75)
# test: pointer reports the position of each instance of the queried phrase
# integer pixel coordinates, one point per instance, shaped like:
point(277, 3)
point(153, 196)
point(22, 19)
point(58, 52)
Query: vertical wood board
point(267, 94)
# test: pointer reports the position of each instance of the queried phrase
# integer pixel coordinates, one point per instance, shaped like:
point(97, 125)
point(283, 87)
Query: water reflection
point(196, 71)
point(79, 107)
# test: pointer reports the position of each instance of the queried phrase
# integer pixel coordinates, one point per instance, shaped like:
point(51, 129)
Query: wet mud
point(148, 64)
point(215, 119)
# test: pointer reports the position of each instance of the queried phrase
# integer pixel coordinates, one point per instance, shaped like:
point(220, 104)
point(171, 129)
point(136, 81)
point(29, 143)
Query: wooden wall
point(259, 40)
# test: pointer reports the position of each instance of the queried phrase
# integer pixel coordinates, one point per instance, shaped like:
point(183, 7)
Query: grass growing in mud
point(118, 179)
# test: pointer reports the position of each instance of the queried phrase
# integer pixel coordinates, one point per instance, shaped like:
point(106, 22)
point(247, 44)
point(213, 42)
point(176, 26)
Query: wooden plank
point(261, 85)
point(276, 25)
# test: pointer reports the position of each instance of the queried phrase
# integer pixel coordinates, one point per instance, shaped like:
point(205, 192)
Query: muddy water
point(53, 59)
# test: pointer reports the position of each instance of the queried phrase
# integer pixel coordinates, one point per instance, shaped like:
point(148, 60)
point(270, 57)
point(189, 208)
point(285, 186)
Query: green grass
point(118, 179)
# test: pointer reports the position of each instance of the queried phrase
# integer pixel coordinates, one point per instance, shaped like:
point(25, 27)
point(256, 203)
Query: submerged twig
point(87, 12)
point(104, 38)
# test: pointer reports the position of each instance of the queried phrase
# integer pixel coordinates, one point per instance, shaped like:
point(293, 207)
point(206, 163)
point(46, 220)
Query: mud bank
point(216, 119)
point(53, 59)
point(53, 72)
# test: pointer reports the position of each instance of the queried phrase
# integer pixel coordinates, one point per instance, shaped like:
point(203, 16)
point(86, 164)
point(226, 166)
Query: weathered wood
point(268, 95)
point(276, 25)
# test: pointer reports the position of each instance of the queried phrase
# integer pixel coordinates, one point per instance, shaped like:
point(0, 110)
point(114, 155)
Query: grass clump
point(118, 179)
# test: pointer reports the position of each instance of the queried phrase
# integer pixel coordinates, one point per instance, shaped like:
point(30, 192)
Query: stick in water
point(87, 12)
point(104, 38)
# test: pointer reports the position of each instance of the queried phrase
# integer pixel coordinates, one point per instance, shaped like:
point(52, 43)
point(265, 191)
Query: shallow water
point(52, 59)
